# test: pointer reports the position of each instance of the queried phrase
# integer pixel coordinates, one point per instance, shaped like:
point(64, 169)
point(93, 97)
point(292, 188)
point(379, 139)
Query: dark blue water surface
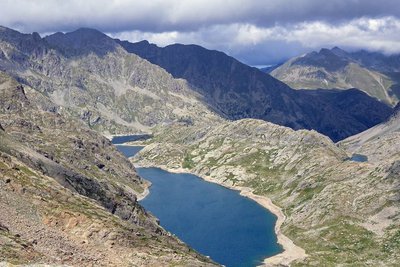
point(359, 158)
point(129, 138)
point(233, 230)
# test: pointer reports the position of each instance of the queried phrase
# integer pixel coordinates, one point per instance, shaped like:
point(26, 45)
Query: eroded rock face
point(93, 77)
point(45, 133)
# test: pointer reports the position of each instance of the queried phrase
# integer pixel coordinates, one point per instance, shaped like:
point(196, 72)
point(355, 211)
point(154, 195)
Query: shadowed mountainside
point(239, 91)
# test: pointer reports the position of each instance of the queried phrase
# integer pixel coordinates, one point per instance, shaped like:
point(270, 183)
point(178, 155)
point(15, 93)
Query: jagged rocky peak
point(331, 60)
point(16, 37)
point(150, 49)
point(82, 41)
point(107, 83)
point(24, 42)
point(338, 51)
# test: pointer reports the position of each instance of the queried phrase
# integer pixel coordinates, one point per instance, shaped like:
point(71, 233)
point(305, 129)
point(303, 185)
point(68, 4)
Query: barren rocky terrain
point(67, 195)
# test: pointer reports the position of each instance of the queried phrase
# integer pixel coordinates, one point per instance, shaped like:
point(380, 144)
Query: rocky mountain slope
point(62, 182)
point(380, 143)
point(238, 91)
point(94, 78)
point(341, 212)
point(67, 196)
point(373, 73)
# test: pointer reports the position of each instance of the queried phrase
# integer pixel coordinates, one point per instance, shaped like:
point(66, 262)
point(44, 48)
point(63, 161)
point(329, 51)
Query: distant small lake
point(216, 221)
point(359, 158)
point(129, 138)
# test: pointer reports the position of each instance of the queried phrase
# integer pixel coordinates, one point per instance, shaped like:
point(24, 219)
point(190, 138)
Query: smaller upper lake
point(129, 138)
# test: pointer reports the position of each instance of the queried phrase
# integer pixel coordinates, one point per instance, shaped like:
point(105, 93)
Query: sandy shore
point(144, 194)
point(290, 252)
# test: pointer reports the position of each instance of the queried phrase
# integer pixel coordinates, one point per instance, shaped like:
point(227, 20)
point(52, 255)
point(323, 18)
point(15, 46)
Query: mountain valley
point(69, 197)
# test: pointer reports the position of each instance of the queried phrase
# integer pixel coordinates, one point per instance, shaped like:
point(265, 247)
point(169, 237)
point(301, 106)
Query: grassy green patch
point(188, 162)
point(392, 243)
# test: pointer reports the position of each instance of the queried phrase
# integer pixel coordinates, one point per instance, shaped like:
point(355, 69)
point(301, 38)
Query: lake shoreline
point(290, 253)
point(145, 193)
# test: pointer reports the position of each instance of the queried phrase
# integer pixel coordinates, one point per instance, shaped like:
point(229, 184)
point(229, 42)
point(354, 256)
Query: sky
point(257, 32)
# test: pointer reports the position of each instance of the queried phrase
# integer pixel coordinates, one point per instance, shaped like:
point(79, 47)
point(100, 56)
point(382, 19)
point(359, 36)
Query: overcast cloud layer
point(257, 32)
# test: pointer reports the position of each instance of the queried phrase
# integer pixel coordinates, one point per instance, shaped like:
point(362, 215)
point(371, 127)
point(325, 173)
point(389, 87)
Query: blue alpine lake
point(129, 138)
point(216, 221)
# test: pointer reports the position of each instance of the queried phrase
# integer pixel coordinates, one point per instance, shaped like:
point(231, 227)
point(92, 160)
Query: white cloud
point(272, 43)
point(178, 15)
point(373, 34)
point(255, 31)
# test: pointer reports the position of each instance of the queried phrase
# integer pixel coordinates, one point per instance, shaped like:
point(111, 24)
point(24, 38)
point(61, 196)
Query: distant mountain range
point(374, 73)
point(238, 91)
point(108, 84)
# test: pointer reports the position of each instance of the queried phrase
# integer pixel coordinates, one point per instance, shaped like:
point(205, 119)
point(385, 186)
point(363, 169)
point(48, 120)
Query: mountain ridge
point(373, 73)
point(115, 91)
point(104, 85)
point(241, 91)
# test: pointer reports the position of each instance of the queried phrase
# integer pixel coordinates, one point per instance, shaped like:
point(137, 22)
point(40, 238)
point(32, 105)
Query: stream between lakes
point(216, 221)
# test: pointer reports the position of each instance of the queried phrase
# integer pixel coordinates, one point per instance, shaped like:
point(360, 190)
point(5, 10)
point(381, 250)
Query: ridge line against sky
point(254, 31)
